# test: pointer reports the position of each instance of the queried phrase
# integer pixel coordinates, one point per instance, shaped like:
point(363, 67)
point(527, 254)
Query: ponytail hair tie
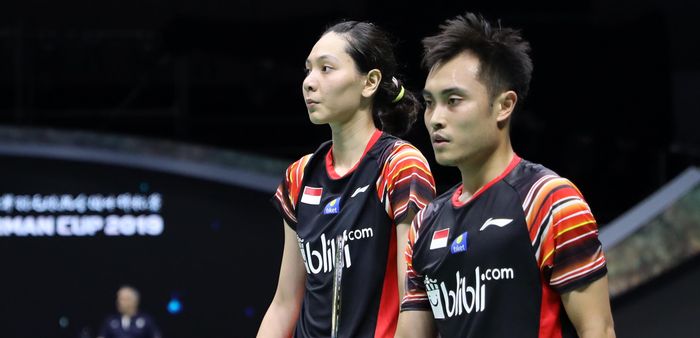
point(399, 96)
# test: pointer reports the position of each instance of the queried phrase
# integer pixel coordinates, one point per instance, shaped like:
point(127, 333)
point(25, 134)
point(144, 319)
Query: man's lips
point(439, 139)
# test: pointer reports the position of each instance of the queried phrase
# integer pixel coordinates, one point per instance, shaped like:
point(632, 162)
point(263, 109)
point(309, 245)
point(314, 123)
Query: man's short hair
point(504, 60)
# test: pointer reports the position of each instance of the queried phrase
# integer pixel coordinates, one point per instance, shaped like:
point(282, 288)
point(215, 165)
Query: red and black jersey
point(364, 206)
point(496, 265)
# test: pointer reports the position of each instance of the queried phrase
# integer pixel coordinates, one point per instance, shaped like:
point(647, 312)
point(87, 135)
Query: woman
point(364, 185)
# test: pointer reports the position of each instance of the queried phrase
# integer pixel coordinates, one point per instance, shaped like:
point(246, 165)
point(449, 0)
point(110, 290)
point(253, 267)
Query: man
point(513, 250)
point(129, 323)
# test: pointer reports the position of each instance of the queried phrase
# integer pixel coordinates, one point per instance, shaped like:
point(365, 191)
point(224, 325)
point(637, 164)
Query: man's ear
point(504, 104)
point(374, 78)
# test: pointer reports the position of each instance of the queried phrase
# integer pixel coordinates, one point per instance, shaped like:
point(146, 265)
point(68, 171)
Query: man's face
point(459, 116)
point(127, 301)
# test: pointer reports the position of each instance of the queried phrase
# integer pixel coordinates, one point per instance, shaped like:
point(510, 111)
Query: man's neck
point(480, 171)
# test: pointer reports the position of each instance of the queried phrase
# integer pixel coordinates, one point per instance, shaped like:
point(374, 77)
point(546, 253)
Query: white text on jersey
point(465, 299)
point(321, 260)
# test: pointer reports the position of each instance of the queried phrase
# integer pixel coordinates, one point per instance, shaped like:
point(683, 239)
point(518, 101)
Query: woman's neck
point(350, 139)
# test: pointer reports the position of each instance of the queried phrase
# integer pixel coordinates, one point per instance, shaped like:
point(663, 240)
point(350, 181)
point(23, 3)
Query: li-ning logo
point(322, 259)
point(464, 299)
point(333, 207)
point(499, 222)
point(359, 190)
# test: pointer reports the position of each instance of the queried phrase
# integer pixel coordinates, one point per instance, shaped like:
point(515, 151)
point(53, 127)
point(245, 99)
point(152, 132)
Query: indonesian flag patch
point(312, 195)
point(439, 239)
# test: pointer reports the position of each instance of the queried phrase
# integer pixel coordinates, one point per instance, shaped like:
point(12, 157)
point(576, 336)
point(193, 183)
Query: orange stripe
point(540, 212)
point(542, 192)
point(393, 171)
point(539, 208)
point(295, 175)
point(401, 151)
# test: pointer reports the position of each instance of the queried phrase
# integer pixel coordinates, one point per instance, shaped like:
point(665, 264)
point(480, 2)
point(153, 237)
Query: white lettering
point(464, 298)
point(81, 225)
point(317, 260)
point(81, 203)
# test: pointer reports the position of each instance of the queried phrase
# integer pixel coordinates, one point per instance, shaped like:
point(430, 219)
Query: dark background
point(218, 255)
point(612, 107)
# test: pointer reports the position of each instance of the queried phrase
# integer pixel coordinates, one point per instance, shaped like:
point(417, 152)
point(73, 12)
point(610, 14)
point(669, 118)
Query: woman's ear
point(372, 81)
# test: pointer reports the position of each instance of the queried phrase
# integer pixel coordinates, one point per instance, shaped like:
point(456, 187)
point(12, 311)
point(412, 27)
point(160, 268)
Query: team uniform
point(496, 265)
point(364, 206)
point(138, 326)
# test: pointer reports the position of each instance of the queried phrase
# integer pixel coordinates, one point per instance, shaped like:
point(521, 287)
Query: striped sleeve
point(285, 199)
point(415, 297)
point(565, 234)
point(406, 182)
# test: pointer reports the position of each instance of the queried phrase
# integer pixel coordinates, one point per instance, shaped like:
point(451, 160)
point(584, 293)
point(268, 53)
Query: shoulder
point(426, 216)
point(401, 148)
point(299, 164)
point(401, 155)
point(442, 201)
point(295, 171)
point(535, 181)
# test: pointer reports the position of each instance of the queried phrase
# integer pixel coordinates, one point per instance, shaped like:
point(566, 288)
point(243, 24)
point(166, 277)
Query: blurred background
point(140, 142)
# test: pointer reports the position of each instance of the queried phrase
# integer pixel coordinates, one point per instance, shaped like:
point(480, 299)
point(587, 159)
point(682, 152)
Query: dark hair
point(504, 58)
point(371, 48)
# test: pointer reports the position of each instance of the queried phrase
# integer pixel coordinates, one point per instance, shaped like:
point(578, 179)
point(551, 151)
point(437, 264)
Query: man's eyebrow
point(446, 91)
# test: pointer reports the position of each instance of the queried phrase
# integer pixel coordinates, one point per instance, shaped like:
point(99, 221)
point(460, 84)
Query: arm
point(576, 259)
point(401, 240)
point(410, 186)
point(416, 319)
point(415, 324)
point(588, 308)
point(283, 312)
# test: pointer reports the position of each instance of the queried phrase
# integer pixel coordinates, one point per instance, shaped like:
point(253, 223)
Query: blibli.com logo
point(320, 257)
point(333, 207)
point(465, 298)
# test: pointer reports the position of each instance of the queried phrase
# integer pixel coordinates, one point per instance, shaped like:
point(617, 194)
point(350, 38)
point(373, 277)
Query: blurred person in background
point(129, 322)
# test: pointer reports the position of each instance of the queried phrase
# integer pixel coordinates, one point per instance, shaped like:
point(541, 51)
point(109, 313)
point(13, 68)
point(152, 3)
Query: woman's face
point(333, 86)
